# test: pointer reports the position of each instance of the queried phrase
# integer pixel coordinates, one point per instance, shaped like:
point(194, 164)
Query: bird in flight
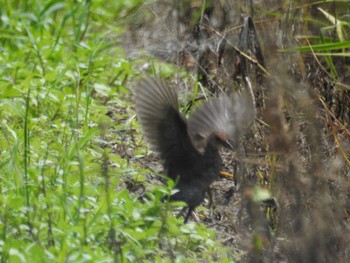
point(189, 148)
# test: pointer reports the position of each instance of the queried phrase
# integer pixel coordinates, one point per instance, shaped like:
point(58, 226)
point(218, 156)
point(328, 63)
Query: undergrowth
point(61, 67)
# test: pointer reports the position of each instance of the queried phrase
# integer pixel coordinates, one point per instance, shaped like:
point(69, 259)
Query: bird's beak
point(227, 145)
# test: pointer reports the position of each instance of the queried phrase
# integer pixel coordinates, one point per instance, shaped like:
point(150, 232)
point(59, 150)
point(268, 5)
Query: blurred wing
point(152, 98)
point(163, 126)
point(228, 115)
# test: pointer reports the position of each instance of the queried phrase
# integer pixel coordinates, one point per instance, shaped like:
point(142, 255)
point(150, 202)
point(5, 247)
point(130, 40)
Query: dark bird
point(189, 148)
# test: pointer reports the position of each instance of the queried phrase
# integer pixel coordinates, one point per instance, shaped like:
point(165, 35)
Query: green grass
point(61, 70)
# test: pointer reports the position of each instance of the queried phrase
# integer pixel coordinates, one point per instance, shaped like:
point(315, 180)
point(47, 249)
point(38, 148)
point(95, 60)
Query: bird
point(189, 148)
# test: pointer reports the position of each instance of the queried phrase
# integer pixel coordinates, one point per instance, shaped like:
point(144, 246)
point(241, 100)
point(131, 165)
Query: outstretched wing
point(152, 98)
point(163, 126)
point(228, 115)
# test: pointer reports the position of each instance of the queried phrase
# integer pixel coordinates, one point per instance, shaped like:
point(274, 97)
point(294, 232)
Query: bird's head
point(221, 121)
point(220, 139)
point(216, 139)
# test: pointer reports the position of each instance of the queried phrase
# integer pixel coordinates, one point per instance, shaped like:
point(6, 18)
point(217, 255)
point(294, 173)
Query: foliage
point(61, 68)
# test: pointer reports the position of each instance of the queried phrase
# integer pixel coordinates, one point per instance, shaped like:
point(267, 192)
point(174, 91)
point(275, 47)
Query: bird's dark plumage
point(189, 148)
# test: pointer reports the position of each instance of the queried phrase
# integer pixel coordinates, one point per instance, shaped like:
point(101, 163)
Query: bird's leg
point(182, 212)
point(187, 214)
point(211, 206)
point(190, 212)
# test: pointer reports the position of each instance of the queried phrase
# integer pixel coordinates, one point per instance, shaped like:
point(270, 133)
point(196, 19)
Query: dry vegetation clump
point(290, 199)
